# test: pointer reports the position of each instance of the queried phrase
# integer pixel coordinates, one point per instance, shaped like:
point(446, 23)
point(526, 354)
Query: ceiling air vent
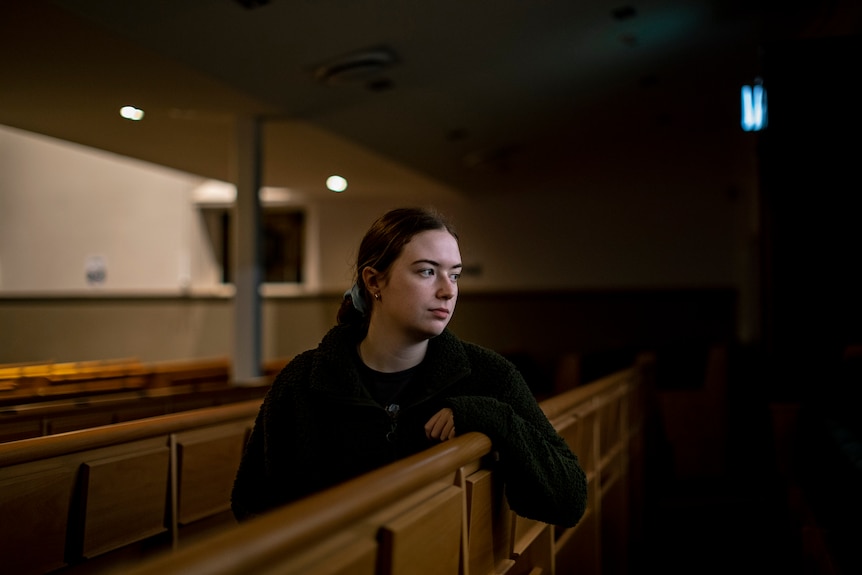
point(361, 67)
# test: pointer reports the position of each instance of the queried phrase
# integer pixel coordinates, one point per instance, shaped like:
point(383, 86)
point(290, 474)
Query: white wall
point(61, 204)
point(670, 220)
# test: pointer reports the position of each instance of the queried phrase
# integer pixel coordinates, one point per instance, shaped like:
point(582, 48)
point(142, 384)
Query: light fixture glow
point(754, 112)
point(336, 183)
point(131, 113)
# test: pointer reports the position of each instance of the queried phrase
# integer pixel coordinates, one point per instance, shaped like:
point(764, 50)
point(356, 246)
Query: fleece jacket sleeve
point(543, 478)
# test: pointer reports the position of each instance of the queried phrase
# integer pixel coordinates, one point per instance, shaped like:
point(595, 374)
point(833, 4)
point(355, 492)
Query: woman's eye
point(454, 277)
point(426, 273)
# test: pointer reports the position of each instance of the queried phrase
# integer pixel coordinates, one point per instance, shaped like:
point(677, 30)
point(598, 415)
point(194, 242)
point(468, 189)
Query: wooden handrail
point(36, 448)
point(564, 402)
point(263, 539)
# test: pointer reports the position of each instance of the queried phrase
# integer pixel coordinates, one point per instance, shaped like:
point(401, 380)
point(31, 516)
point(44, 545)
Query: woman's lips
point(441, 313)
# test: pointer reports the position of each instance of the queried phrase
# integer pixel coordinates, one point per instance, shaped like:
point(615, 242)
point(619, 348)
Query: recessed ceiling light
point(131, 113)
point(336, 183)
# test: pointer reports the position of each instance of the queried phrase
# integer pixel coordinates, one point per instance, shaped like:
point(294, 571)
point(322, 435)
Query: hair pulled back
point(381, 246)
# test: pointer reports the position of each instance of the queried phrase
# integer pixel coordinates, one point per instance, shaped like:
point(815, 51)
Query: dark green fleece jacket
point(318, 426)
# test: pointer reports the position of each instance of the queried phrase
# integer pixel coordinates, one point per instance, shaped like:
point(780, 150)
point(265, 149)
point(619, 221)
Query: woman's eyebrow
point(436, 264)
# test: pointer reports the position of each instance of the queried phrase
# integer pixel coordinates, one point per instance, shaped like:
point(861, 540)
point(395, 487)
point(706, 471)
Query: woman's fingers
point(441, 426)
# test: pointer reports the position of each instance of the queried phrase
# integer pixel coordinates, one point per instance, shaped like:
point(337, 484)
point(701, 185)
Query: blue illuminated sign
point(753, 108)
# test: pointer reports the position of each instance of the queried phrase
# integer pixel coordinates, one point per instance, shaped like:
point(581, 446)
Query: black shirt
point(385, 387)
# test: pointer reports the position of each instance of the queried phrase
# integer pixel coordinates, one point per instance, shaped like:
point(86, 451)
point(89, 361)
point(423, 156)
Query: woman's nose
point(447, 289)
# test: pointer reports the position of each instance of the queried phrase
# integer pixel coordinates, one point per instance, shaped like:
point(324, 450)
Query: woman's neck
point(389, 354)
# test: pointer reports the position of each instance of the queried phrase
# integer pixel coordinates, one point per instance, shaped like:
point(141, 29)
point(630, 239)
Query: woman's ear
point(371, 279)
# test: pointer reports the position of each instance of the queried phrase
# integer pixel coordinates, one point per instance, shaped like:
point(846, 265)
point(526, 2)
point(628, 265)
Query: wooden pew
point(30, 383)
point(44, 380)
point(91, 495)
point(74, 497)
point(59, 416)
point(171, 387)
point(207, 372)
point(443, 511)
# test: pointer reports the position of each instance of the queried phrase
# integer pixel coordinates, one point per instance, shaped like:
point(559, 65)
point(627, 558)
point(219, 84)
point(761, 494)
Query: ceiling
point(476, 97)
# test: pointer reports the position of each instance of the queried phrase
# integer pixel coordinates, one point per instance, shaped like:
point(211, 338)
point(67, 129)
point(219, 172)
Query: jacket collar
point(334, 372)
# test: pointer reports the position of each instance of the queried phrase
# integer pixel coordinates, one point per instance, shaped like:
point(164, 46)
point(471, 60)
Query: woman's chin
point(427, 332)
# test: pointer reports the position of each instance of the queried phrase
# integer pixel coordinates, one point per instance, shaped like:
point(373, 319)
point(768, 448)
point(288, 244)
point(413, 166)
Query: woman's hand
point(441, 426)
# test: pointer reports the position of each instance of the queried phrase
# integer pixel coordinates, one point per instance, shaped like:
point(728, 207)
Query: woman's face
point(418, 296)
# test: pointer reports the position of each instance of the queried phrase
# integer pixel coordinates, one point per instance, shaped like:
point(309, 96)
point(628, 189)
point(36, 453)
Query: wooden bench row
point(169, 387)
point(42, 418)
point(444, 511)
point(28, 383)
point(35, 379)
point(72, 498)
point(153, 495)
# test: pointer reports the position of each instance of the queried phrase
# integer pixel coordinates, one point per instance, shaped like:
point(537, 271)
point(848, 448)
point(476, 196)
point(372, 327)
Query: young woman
point(390, 380)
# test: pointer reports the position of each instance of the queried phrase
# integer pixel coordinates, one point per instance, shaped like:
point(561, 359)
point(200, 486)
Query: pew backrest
point(27, 420)
point(74, 496)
